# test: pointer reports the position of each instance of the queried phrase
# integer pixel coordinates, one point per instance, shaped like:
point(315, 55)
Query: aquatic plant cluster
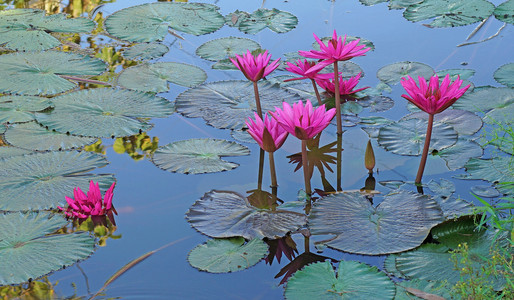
point(59, 106)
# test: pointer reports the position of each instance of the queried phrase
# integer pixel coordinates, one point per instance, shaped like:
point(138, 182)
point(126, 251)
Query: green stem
point(337, 100)
point(257, 98)
point(339, 165)
point(316, 90)
point(261, 169)
point(425, 149)
point(305, 165)
point(272, 170)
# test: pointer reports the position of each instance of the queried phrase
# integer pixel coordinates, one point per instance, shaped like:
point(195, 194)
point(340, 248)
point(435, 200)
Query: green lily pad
point(401, 222)
point(377, 103)
point(223, 48)
point(462, 73)
point(354, 280)
point(222, 214)
point(227, 255)
point(19, 109)
point(30, 29)
point(372, 2)
point(276, 20)
point(408, 137)
point(29, 249)
point(443, 188)
point(351, 108)
point(32, 136)
point(464, 122)
point(154, 77)
point(150, 22)
point(41, 180)
point(37, 73)
point(228, 104)
point(485, 99)
point(497, 169)
point(485, 191)
point(347, 68)
point(6, 152)
point(454, 207)
point(224, 64)
point(505, 12)
point(104, 112)
point(391, 74)
point(458, 155)
point(235, 18)
point(401, 4)
point(390, 266)
point(302, 88)
point(196, 156)
point(146, 51)
point(504, 115)
point(422, 289)
point(449, 13)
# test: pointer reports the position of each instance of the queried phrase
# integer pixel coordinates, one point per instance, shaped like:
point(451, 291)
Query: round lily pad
point(150, 22)
point(196, 156)
point(29, 249)
point(347, 68)
point(6, 152)
point(391, 74)
point(377, 103)
point(401, 222)
point(449, 13)
point(485, 191)
point(505, 12)
point(458, 155)
point(463, 122)
point(30, 29)
point(154, 77)
point(228, 104)
point(227, 255)
point(145, 51)
point(354, 280)
point(443, 188)
point(104, 112)
point(454, 207)
point(226, 47)
point(32, 136)
point(463, 74)
point(19, 109)
point(503, 115)
point(485, 99)
point(408, 137)
point(276, 20)
point(37, 73)
point(497, 169)
point(422, 289)
point(222, 214)
point(41, 180)
point(401, 4)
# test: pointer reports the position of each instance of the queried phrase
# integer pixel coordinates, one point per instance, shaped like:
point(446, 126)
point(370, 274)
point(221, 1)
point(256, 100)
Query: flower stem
point(257, 98)
point(261, 169)
point(272, 170)
point(339, 160)
point(425, 149)
point(316, 90)
point(305, 165)
point(338, 99)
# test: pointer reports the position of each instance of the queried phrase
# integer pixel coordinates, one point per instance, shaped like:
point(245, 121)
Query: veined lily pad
point(408, 137)
point(391, 74)
point(29, 29)
point(150, 22)
point(449, 13)
point(443, 188)
point(354, 280)
point(454, 207)
point(41, 180)
point(32, 136)
point(242, 136)
point(6, 152)
point(227, 255)
point(485, 191)
point(377, 103)
point(226, 47)
point(401, 222)
point(37, 73)
point(104, 112)
point(497, 169)
point(196, 156)
point(505, 12)
point(223, 214)
point(145, 51)
point(371, 2)
point(504, 115)
point(154, 77)
point(462, 73)
point(347, 68)
point(29, 249)
point(228, 104)
point(276, 20)
point(19, 109)
point(428, 290)
point(401, 4)
point(458, 155)
point(464, 122)
point(485, 99)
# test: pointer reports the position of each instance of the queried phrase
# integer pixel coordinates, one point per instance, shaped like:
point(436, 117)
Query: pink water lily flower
point(432, 97)
point(268, 133)
point(303, 121)
point(335, 50)
point(346, 87)
point(255, 67)
point(303, 68)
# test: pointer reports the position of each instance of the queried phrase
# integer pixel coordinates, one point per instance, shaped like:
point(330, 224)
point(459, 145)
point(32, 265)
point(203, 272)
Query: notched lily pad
point(485, 99)
point(19, 109)
point(223, 48)
point(391, 74)
point(505, 73)
point(497, 169)
point(463, 74)
point(145, 51)
point(505, 12)
point(464, 122)
point(276, 20)
point(458, 155)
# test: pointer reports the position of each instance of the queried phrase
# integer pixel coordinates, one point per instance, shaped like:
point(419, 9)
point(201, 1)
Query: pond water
point(152, 203)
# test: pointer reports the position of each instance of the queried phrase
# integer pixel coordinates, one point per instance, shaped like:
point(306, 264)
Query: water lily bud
point(369, 157)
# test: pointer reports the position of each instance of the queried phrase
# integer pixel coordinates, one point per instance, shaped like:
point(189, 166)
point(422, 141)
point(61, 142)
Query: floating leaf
point(377, 103)
point(235, 18)
point(19, 109)
point(390, 266)
point(150, 22)
point(30, 29)
point(104, 112)
point(497, 169)
point(401, 4)
point(401, 222)
point(6, 152)
point(505, 12)
point(443, 188)
point(371, 2)
point(504, 115)
point(347, 68)
point(462, 73)
point(485, 99)
point(276, 20)
point(228, 104)
point(154, 77)
point(458, 155)
point(41, 180)
point(32, 136)
point(351, 108)
point(422, 289)
point(227, 255)
point(454, 207)
point(485, 191)
point(224, 64)
point(29, 249)
point(242, 136)
point(145, 51)
point(196, 156)
point(223, 214)
point(408, 137)
point(464, 122)
point(226, 47)
point(391, 74)
point(354, 280)
point(449, 13)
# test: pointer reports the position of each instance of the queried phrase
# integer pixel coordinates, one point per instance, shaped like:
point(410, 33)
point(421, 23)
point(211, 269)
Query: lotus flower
point(304, 70)
point(303, 121)
point(268, 134)
point(346, 87)
point(83, 206)
point(255, 67)
point(433, 98)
